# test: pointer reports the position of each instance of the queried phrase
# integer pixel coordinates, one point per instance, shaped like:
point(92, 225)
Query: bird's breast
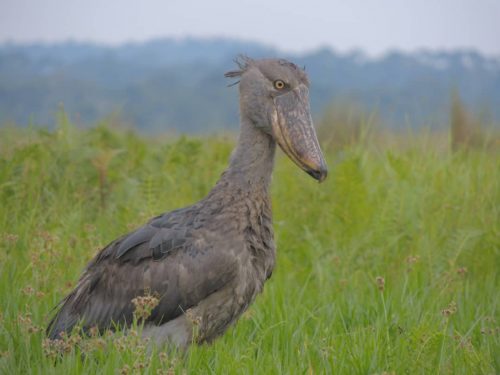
point(244, 228)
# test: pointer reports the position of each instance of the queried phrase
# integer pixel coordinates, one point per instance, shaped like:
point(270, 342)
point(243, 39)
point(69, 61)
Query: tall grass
point(467, 129)
point(390, 266)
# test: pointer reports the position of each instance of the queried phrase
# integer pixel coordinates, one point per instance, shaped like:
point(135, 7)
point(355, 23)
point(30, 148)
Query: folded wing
point(168, 258)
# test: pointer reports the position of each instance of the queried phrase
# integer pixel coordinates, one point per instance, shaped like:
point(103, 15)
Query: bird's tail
point(63, 320)
point(69, 310)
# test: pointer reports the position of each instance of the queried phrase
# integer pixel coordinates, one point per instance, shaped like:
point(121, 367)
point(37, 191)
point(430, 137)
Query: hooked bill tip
point(318, 174)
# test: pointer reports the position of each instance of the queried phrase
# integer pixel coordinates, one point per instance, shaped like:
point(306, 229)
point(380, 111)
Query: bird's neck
point(251, 164)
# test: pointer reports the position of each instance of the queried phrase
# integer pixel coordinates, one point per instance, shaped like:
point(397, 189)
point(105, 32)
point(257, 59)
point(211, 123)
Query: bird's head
point(274, 96)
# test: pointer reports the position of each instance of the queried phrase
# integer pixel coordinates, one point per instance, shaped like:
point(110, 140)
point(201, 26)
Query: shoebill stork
point(211, 259)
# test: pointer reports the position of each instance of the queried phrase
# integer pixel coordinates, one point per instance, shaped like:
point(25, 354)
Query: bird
point(207, 262)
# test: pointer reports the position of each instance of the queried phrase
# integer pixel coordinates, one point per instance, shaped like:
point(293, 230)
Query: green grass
point(423, 219)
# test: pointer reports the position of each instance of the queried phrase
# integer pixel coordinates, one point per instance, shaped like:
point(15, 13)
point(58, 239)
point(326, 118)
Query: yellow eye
point(279, 84)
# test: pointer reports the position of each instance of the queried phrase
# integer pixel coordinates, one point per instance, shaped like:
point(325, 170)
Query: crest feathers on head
point(243, 63)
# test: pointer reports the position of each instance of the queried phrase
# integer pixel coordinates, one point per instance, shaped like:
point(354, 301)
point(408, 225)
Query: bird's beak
point(294, 131)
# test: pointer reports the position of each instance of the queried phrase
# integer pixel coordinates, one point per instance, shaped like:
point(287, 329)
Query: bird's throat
point(252, 162)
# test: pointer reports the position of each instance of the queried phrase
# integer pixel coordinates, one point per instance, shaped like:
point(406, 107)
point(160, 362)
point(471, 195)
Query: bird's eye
point(279, 84)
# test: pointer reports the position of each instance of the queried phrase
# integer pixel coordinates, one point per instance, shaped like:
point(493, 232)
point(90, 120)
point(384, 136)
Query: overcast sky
point(291, 25)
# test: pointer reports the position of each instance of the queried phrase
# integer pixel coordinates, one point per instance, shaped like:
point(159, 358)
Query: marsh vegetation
point(389, 266)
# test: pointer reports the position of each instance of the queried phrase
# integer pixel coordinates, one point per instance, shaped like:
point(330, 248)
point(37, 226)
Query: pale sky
point(290, 25)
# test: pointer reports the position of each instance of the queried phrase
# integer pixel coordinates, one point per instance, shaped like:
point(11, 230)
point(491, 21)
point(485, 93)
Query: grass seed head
point(27, 324)
point(139, 366)
point(380, 283)
point(29, 290)
point(94, 331)
point(193, 318)
point(450, 309)
point(65, 344)
point(39, 294)
point(411, 260)
point(144, 306)
point(10, 238)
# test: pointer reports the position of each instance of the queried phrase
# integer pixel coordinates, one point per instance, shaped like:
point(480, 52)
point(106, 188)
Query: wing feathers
point(138, 237)
point(174, 263)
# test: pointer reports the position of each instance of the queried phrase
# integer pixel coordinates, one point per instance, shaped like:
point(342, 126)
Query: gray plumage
point(211, 258)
